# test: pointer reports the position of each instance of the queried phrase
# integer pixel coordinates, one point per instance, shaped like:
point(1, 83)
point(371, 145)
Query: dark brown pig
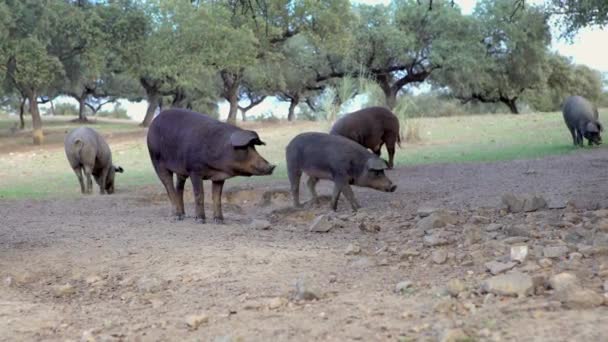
point(371, 127)
point(582, 120)
point(333, 157)
point(190, 144)
point(87, 150)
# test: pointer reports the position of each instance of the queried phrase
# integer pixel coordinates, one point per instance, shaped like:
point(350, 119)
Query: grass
point(39, 172)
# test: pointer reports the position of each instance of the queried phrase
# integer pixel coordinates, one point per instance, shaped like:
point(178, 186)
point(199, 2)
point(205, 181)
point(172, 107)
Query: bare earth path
point(119, 268)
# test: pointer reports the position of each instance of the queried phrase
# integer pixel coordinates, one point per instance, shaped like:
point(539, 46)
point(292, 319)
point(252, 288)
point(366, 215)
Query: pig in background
point(582, 120)
point(333, 157)
point(87, 151)
point(371, 127)
point(190, 144)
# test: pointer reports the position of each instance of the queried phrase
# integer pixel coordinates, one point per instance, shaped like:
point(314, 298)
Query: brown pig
point(87, 150)
point(190, 144)
point(333, 157)
point(371, 127)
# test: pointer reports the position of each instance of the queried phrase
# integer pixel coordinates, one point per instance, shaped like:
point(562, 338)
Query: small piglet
point(581, 117)
point(87, 150)
point(336, 158)
point(371, 127)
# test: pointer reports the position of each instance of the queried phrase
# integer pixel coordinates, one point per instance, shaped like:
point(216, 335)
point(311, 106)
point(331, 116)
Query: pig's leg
point(180, 181)
point(87, 172)
point(348, 192)
point(166, 177)
point(338, 185)
point(294, 179)
point(312, 183)
point(390, 147)
point(199, 197)
point(78, 172)
point(102, 180)
point(218, 217)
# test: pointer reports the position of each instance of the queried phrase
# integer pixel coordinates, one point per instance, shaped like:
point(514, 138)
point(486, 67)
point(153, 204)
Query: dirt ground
point(105, 268)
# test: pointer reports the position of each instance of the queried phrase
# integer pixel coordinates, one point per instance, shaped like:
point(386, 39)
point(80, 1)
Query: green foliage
point(63, 108)
point(576, 14)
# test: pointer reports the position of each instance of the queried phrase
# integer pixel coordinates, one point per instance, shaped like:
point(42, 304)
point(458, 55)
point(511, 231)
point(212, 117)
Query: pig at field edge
point(581, 117)
point(87, 150)
point(336, 158)
point(190, 144)
point(371, 127)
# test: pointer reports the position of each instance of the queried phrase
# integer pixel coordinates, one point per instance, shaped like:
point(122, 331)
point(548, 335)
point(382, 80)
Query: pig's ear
point(118, 169)
point(593, 127)
point(376, 164)
point(243, 138)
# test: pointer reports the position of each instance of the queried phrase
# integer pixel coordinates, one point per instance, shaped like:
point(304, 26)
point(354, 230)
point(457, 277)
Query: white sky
point(586, 48)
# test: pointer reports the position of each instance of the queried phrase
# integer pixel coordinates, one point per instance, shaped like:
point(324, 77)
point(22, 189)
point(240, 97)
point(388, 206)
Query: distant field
point(35, 172)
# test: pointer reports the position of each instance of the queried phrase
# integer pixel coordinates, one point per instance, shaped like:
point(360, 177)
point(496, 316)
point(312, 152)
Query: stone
point(478, 219)
point(425, 211)
point(563, 281)
point(434, 240)
point(579, 298)
point(455, 287)
point(352, 249)
point(606, 285)
point(511, 284)
point(321, 224)
point(195, 321)
point(259, 225)
point(437, 219)
point(544, 263)
point(472, 234)
point(439, 256)
point(492, 227)
point(403, 286)
point(572, 218)
point(525, 203)
point(515, 240)
point(497, 267)
point(555, 251)
point(92, 279)
point(277, 302)
point(64, 290)
point(455, 335)
point(304, 292)
point(575, 256)
point(409, 253)
point(519, 253)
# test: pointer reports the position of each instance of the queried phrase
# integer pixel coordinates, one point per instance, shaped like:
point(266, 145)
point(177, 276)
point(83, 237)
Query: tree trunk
point(37, 134)
point(82, 117)
point(512, 104)
point(153, 103)
point(292, 107)
point(52, 107)
point(21, 112)
point(243, 114)
point(234, 106)
point(390, 95)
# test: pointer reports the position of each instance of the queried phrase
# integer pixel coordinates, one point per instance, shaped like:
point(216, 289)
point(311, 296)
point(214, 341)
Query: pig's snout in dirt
point(392, 188)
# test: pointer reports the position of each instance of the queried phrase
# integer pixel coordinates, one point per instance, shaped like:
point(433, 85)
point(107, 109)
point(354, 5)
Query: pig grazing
point(582, 120)
point(333, 157)
point(371, 127)
point(87, 150)
point(190, 144)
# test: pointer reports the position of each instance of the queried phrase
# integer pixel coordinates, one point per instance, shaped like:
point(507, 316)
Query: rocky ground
point(472, 252)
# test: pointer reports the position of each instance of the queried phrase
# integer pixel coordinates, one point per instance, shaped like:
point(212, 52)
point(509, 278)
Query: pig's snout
point(392, 188)
point(269, 169)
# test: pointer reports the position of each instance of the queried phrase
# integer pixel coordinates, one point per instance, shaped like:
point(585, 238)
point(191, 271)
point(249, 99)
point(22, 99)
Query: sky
point(584, 49)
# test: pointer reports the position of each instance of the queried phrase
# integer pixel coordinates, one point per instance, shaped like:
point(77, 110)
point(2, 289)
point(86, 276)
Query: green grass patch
point(44, 172)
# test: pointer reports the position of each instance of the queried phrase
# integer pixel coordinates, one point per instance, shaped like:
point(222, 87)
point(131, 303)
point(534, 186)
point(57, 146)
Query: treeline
point(191, 54)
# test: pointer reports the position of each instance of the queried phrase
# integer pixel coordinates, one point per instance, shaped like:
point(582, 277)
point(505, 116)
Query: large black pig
point(190, 144)
point(333, 157)
point(371, 127)
point(582, 120)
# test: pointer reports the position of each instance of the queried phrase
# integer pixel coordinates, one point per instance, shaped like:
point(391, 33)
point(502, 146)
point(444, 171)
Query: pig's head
point(110, 178)
point(592, 132)
point(373, 176)
point(243, 158)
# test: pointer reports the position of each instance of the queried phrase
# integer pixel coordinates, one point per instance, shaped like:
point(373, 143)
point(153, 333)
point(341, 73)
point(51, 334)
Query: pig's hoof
point(179, 217)
point(200, 219)
point(218, 220)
